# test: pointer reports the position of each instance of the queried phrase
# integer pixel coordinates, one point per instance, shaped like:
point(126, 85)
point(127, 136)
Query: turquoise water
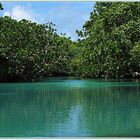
point(70, 108)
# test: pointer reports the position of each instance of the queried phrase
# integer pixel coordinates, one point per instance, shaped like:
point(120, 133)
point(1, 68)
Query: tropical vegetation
point(108, 46)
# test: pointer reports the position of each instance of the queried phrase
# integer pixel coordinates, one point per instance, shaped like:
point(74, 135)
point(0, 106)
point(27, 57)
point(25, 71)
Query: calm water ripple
point(70, 108)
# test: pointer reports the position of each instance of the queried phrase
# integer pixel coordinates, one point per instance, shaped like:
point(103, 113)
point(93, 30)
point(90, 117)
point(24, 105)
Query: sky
point(67, 16)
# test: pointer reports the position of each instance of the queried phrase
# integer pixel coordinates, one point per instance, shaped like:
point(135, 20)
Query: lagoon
point(61, 107)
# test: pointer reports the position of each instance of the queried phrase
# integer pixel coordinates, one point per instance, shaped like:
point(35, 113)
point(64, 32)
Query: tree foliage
point(1, 7)
point(108, 46)
point(109, 41)
point(28, 51)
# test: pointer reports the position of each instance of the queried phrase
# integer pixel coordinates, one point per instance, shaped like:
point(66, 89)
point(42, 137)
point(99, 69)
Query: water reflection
point(70, 108)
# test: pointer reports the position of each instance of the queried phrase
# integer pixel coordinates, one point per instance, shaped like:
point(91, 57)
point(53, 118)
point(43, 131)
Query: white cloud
point(19, 13)
point(6, 13)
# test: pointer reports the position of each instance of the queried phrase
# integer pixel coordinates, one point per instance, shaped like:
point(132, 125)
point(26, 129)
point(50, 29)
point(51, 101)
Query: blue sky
point(68, 16)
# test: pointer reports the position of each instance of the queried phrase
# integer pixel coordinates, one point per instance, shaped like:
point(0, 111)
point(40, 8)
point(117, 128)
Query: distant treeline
point(108, 46)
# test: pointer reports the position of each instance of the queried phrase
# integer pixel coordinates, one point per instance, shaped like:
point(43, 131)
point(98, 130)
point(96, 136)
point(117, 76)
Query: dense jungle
point(108, 46)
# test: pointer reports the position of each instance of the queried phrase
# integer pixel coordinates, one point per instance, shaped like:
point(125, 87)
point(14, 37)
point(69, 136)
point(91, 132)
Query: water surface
point(70, 108)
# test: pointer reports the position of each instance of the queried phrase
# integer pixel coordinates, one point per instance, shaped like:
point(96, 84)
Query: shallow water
point(62, 107)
